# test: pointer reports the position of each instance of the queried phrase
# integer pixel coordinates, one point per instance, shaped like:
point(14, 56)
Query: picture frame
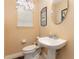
point(44, 16)
point(63, 13)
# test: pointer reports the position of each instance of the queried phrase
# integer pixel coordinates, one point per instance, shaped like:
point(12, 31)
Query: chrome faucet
point(53, 36)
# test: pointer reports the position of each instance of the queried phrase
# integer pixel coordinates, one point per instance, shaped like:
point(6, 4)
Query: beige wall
point(64, 30)
point(13, 34)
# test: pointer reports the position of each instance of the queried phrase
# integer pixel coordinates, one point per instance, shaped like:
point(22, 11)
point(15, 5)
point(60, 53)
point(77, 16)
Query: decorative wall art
point(44, 17)
point(63, 13)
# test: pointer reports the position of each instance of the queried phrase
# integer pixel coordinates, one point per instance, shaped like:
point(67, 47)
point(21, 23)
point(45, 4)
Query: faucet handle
point(55, 36)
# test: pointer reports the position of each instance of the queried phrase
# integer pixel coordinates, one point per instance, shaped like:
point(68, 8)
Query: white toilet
point(31, 52)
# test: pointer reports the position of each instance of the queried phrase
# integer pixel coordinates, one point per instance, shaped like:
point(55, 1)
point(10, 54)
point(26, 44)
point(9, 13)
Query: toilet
point(31, 52)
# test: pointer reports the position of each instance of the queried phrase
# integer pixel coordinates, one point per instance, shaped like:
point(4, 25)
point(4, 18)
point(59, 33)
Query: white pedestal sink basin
point(52, 45)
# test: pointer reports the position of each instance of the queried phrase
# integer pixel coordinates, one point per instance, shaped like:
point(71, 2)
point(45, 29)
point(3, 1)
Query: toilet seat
point(29, 49)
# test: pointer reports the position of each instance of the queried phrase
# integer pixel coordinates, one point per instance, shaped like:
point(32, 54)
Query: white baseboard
point(15, 55)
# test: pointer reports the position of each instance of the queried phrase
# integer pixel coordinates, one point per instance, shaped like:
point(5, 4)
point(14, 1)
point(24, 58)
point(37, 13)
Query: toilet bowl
point(31, 52)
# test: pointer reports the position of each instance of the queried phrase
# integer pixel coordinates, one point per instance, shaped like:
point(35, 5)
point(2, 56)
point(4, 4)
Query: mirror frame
point(62, 13)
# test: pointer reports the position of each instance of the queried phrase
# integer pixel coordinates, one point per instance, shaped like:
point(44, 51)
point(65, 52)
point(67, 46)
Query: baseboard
point(15, 55)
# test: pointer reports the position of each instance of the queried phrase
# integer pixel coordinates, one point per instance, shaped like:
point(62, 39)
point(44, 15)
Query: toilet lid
point(29, 48)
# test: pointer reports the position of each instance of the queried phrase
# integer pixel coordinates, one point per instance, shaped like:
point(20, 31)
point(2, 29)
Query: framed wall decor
point(63, 13)
point(44, 16)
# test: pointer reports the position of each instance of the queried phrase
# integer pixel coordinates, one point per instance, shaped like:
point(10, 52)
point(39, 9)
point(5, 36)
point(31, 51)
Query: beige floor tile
point(41, 57)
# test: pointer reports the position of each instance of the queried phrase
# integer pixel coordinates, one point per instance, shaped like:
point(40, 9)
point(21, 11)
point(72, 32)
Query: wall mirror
point(60, 10)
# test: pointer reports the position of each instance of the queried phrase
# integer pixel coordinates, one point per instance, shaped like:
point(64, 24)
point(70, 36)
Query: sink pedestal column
point(51, 53)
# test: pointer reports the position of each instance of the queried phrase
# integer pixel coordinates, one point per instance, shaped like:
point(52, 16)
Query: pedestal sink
point(52, 45)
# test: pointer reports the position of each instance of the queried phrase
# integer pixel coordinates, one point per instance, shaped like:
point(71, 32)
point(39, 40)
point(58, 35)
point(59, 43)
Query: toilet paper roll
point(23, 41)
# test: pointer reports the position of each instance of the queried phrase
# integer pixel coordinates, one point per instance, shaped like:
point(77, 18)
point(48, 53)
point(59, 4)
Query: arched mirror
point(60, 10)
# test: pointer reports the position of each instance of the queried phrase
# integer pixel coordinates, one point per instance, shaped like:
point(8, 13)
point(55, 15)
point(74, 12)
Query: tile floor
point(22, 57)
point(41, 57)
